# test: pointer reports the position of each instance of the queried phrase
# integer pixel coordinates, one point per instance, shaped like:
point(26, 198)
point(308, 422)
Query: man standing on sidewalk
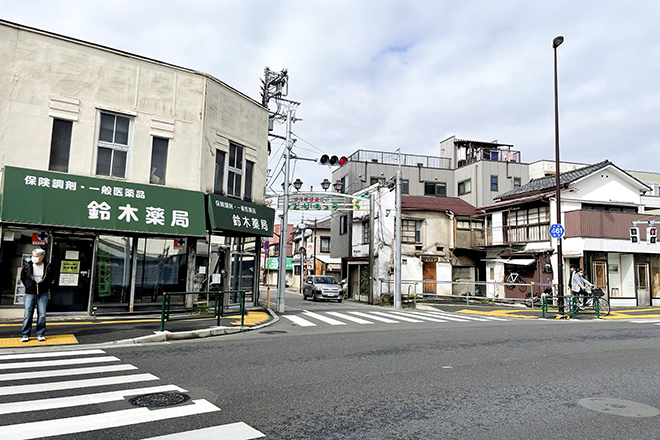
point(36, 277)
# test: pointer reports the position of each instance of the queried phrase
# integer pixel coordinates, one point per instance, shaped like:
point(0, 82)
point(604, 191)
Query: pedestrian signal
point(651, 235)
point(634, 234)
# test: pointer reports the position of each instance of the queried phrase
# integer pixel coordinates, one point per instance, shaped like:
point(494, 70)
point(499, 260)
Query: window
point(366, 233)
point(405, 186)
point(158, 161)
point(464, 187)
point(343, 184)
point(377, 180)
point(469, 224)
point(411, 231)
point(249, 169)
point(296, 269)
point(234, 170)
point(609, 208)
point(343, 225)
point(435, 189)
point(516, 182)
point(526, 225)
point(461, 272)
point(60, 145)
point(494, 183)
point(325, 245)
point(113, 145)
point(219, 171)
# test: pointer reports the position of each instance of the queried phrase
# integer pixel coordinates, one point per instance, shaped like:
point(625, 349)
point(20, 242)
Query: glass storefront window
point(16, 245)
point(113, 270)
point(162, 265)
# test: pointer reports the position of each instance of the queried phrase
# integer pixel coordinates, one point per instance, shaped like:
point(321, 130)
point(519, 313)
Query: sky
point(382, 75)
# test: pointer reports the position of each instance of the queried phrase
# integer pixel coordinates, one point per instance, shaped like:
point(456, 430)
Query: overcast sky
point(384, 74)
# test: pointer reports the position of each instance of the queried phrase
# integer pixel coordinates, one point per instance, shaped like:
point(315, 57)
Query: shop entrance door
point(72, 267)
point(642, 284)
point(600, 275)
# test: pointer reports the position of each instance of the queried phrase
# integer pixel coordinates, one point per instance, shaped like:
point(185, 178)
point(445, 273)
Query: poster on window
point(19, 289)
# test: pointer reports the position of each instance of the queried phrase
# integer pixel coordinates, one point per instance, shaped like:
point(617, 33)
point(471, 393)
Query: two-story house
point(438, 240)
point(599, 205)
point(113, 162)
point(312, 251)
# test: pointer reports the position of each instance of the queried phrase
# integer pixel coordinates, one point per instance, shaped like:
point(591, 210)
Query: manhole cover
point(159, 400)
point(619, 407)
point(273, 332)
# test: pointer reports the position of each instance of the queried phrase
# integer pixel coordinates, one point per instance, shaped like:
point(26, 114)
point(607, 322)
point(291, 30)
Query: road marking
point(82, 400)
point(8, 357)
point(504, 313)
point(402, 318)
point(94, 422)
point(38, 364)
point(454, 318)
point(66, 372)
point(33, 342)
point(645, 321)
point(420, 316)
point(350, 318)
point(71, 384)
point(233, 431)
point(377, 318)
point(251, 318)
point(298, 320)
point(323, 318)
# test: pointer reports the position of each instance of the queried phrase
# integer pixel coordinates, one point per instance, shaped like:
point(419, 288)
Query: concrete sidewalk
point(66, 330)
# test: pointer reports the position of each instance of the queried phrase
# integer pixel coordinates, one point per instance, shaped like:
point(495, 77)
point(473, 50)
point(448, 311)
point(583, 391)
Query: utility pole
point(371, 248)
point(285, 218)
point(397, 231)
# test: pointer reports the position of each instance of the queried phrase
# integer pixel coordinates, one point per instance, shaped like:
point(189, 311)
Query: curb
point(166, 336)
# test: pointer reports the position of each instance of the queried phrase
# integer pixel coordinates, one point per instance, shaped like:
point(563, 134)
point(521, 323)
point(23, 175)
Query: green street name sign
point(273, 263)
point(239, 218)
point(61, 199)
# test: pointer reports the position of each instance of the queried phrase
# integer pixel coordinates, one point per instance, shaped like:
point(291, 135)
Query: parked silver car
point(322, 287)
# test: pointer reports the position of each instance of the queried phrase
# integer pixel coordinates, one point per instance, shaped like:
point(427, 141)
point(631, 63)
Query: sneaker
point(41, 338)
point(25, 338)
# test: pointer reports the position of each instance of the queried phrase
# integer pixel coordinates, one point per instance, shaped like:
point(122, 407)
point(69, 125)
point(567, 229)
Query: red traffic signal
point(652, 235)
point(332, 160)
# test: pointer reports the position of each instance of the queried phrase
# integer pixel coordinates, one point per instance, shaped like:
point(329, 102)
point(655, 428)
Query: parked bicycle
point(514, 279)
point(537, 299)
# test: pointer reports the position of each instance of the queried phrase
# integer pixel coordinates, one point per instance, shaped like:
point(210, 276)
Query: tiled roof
point(547, 183)
point(427, 203)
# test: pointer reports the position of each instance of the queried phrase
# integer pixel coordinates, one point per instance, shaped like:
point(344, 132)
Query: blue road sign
point(266, 244)
point(556, 231)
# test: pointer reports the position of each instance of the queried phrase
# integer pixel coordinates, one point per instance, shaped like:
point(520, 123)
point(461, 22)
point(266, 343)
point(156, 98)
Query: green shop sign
point(60, 199)
point(238, 218)
point(274, 263)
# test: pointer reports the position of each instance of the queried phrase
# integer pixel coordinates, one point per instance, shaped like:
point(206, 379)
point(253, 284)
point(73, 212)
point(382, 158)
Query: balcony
point(603, 224)
point(519, 234)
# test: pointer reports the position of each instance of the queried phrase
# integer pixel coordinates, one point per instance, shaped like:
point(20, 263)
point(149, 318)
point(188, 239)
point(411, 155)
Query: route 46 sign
point(556, 231)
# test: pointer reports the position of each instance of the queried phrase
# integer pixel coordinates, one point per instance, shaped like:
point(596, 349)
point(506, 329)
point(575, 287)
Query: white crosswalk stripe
point(334, 318)
point(50, 397)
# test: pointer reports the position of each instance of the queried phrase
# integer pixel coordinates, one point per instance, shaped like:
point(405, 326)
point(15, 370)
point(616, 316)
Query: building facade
point(136, 176)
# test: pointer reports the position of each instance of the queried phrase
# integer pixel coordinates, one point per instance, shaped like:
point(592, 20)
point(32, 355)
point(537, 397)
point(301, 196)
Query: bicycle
point(514, 279)
point(603, 304)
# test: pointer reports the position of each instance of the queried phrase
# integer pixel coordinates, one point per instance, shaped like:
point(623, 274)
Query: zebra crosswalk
point(103, 400)
point(334, 318)
point(653, 321)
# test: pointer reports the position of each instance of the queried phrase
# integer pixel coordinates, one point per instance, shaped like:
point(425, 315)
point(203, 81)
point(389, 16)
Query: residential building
point(599, 204)
point(112, 163)
point(438, 235)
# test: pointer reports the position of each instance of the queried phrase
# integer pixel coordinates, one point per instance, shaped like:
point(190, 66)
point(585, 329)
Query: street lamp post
point(560, 259)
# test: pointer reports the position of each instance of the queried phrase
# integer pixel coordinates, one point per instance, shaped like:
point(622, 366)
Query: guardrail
point(572, 308)
point(218, 308)
point(473, 290)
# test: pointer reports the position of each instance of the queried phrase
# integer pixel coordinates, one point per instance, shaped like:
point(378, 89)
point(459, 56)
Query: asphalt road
point(452, 380)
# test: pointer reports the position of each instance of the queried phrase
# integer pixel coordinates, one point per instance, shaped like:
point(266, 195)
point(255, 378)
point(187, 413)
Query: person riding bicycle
point(578, 284)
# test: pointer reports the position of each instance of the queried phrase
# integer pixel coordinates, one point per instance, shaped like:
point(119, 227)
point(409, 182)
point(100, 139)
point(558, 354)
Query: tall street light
point(560, 259)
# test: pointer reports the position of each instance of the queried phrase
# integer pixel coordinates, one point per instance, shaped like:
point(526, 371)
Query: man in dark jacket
point(36, 276)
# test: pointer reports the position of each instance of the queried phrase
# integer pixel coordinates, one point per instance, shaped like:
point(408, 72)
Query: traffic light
point(651, 235)
point(634, 234)
point(332, 160)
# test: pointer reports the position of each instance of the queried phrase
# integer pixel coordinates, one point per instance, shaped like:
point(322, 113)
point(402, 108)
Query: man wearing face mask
point(36, 278)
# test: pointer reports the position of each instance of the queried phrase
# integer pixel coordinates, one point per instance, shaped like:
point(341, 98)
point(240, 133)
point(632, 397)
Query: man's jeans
point(41, 301)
